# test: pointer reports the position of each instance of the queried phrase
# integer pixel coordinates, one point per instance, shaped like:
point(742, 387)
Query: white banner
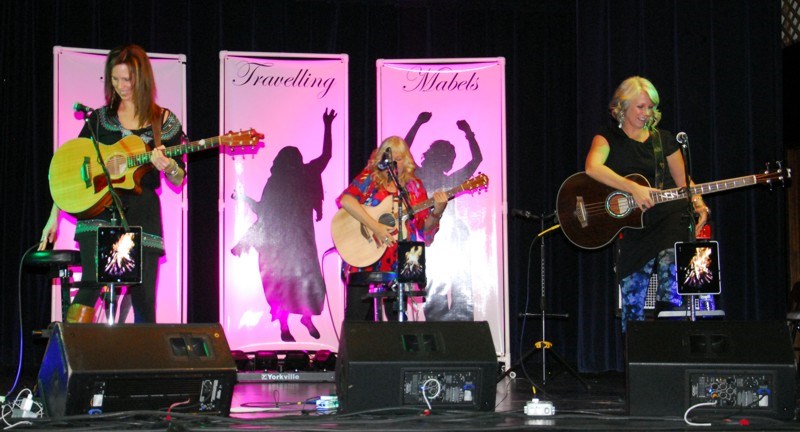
point(78, 77)
point(452, 113)
point(278, 288)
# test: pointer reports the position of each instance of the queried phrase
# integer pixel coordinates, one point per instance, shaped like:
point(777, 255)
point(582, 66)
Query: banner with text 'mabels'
point(452, 114)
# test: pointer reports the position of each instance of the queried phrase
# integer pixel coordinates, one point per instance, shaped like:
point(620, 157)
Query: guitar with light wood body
point(76, 178)
point(358, 246)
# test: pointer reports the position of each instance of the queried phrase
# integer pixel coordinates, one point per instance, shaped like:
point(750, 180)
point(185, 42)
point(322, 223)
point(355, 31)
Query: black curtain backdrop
point(716, 64)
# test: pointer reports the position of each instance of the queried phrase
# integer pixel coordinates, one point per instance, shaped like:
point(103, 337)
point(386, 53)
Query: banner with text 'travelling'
point(279, 289)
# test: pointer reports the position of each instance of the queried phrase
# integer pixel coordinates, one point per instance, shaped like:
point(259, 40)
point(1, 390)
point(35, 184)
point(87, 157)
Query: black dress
point(140, 210)
point(665, 223)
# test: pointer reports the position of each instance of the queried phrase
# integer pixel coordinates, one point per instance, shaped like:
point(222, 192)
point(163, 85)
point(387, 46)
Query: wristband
point(173, 171)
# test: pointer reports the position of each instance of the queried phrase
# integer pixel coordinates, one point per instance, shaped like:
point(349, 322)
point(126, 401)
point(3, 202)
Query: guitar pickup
point(580, 212)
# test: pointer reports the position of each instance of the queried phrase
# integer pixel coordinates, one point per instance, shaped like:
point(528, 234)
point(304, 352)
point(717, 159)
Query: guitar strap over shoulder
point(658, 154)
point(156, 125)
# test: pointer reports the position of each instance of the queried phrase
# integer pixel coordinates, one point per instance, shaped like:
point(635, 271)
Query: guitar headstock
point(779, 176)
point(477, 183)
point(248, 137)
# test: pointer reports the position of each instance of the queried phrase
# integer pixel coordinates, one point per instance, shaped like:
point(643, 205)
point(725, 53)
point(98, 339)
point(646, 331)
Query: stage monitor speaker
point(96, 368)
point(452, 365)
point(744, 367)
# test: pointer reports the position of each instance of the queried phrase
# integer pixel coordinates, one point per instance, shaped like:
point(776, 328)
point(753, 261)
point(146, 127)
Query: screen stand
point(692, 311)
point(111, 304)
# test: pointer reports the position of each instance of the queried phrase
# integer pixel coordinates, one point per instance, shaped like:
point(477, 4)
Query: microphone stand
point(117, 202)
point(543, 346)
point(116, 209)
point(391, 170)
point(687, 170)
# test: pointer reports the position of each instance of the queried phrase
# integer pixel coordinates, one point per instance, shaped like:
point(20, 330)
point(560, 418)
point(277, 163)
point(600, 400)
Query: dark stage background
point(717, 65)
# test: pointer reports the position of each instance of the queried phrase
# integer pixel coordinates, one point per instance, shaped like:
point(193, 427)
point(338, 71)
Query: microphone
point(524, 214)
point(682, 138)
point(386, 160)
point(79, 107)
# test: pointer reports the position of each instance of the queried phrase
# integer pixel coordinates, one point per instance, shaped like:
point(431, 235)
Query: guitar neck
point(178, 150)
point(428, 203)
point(705, 188)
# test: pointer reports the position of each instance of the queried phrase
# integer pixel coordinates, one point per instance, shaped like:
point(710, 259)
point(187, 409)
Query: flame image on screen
point(120, 260)
point(699, 271)
point(412, 267)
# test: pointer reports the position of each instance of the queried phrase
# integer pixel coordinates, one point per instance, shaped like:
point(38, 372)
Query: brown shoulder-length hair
point(144, 83)
point(399, 152)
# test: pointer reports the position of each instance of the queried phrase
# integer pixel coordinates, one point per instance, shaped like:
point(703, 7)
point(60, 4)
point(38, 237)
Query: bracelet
point(434, 215)
point(698, 204)
point(173, 171)
point(705, 207)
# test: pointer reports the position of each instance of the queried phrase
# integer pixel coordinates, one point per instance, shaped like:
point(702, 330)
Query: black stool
point(56, 264)
point(378, 285)
point(382, 285)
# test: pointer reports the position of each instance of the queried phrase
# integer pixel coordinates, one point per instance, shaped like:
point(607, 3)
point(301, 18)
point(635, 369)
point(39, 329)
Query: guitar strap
point(156, 125)
point(658, 154)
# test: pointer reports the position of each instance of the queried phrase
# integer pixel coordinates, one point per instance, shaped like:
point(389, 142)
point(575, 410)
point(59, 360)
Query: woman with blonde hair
point(632, 144)
point(371, 187)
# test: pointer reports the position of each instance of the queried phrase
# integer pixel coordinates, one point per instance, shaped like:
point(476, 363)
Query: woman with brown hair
point(130, 109)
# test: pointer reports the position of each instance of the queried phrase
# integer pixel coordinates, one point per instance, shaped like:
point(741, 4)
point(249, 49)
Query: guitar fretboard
point(706, 188)
point(191, 147)
point(477, 182)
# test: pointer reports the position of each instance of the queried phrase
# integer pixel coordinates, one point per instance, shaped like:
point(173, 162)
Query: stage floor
point(289, 406)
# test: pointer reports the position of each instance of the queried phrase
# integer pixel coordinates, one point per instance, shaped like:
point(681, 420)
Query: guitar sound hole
point(618, 205)
point(117, 164)
point(387, 219)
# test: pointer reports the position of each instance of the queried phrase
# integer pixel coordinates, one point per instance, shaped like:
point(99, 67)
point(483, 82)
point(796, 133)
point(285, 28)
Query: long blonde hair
point(630, 89)
point(398, 147)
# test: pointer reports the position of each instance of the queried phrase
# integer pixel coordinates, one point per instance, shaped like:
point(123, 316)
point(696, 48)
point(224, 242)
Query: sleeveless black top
point(665, 223)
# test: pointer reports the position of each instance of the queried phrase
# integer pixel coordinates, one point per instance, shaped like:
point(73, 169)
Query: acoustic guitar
point(79, 187)
point(591, 214)
point(358, 246)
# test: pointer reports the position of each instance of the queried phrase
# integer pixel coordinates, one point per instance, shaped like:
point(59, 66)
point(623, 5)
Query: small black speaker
point(727, 366)
point(96, 368)
point(451, 365)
